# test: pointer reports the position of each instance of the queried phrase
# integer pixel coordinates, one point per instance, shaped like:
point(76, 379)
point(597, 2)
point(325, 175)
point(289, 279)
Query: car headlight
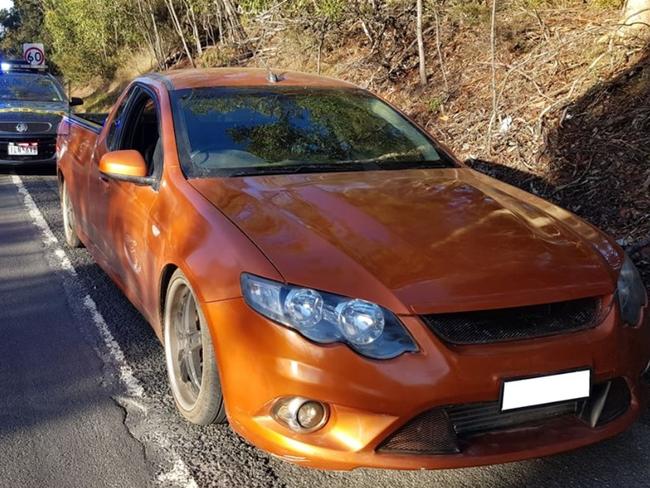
point(323, 317)
point(631, 293)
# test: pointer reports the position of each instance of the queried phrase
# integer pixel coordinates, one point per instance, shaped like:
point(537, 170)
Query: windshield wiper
point(390, 164)
point(298, 168)
point(339, 166)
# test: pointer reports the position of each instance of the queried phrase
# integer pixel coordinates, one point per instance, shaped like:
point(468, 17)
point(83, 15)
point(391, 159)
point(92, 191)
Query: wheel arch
point(165, 277)
point(59, 177)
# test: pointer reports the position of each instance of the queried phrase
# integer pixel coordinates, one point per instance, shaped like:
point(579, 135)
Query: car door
point(131, 229)
point(97, 186)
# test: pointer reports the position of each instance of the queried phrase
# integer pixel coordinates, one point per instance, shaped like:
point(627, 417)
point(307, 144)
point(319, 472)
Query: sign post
point(34, 54)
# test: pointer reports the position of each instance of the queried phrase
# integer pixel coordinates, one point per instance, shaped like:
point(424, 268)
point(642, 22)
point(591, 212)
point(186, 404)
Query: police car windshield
point(28, 87)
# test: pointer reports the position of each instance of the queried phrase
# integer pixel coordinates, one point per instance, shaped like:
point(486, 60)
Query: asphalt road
point(84, 398)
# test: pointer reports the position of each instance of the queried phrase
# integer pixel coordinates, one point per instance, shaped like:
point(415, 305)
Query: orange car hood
point(418, 241)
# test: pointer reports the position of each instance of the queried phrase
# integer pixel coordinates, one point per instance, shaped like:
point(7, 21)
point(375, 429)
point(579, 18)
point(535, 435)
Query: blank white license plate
point(545, 389)
point(22, 149)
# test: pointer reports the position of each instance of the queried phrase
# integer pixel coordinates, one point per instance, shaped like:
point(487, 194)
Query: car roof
point(243, 77)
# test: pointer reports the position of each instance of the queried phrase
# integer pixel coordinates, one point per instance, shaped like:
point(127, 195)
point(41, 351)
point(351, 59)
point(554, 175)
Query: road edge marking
point(179, 473)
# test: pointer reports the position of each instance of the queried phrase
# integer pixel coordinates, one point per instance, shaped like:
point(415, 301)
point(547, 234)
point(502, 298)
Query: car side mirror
point(76, 101)
point(127, 165)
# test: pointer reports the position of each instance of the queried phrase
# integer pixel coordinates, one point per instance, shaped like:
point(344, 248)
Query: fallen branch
point(495, 104)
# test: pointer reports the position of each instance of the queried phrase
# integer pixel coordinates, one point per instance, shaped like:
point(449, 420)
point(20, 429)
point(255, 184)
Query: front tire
point(189, 354)
point(69, 219)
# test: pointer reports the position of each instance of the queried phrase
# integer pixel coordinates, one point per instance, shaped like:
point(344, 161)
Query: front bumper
point(369, 400)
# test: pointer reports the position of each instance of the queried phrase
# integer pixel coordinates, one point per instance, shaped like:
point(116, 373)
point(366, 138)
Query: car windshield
point(28, 87)
point(249, 131)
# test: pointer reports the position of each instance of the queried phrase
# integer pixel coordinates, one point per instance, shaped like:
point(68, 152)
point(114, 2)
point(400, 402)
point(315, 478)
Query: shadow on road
point(44, 170)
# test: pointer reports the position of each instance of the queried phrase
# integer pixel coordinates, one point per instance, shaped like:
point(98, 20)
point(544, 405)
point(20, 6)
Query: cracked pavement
point(67, 420)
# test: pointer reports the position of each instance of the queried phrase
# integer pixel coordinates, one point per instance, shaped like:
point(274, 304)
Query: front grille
point(478, 418)
point(46, 148)
point(510, 324)
point(25, 127)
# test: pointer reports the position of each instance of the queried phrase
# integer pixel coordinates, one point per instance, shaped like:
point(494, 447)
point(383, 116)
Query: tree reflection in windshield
point(225, 129)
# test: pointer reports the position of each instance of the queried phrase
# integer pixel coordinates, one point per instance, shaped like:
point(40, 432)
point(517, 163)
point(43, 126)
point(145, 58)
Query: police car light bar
point(14, 66)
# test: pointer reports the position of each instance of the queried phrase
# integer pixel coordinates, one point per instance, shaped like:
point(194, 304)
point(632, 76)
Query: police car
point(32, 102)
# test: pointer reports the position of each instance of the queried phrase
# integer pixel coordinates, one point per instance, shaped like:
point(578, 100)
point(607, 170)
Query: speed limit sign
point(34, 54)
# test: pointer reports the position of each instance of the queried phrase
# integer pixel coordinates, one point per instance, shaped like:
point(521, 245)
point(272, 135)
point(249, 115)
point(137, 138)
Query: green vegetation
point(471, 11)
point(89, 40)
point(608, 4)
point(23, 23)
point(434, 105)
point(85, 36)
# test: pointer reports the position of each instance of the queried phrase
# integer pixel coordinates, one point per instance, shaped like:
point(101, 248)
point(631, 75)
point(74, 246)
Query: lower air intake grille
point(428, 433)
point(444, 430)
point(510, 324)
point(477, 418)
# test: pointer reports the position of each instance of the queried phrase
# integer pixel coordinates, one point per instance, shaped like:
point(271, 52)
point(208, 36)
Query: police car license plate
point(23, 149)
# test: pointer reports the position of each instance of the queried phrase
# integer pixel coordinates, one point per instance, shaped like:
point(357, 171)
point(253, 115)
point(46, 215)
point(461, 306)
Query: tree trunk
point(179, 30)
point(423, 68)
point(153, 41)
point(636, 18)
point(191, 17)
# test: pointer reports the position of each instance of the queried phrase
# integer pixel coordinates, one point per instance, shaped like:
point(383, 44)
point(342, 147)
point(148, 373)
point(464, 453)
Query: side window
point(140, 132)
point(117, 123)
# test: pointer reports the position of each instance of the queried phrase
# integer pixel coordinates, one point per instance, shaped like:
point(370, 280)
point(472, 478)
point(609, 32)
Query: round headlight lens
point(360, 322)
point(304, 307)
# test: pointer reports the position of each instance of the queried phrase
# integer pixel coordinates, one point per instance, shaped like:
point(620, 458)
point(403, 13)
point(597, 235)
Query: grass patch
point(434, 104)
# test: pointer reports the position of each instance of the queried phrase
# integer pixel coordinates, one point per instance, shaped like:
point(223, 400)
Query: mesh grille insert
point(428, 433)
point(509, 324)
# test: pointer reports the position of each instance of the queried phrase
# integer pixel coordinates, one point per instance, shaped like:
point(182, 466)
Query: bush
point(86, 36)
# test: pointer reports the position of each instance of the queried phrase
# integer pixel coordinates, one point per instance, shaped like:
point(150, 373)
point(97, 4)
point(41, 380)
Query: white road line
point(179, 475)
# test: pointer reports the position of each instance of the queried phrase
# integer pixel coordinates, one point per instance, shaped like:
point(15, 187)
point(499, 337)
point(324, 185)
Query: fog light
point(310, 415)
point(300, 414)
